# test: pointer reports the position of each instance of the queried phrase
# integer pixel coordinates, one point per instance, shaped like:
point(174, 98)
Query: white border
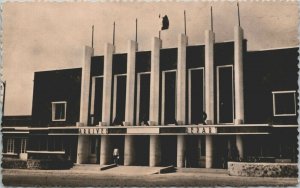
point(284, 92)
point(54, 108)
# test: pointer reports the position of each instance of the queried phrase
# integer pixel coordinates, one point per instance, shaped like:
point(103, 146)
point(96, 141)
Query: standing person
point(116, 156)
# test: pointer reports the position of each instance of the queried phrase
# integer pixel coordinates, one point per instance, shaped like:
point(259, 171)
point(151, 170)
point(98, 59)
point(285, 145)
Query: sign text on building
point(94, 131)
point(201, 130)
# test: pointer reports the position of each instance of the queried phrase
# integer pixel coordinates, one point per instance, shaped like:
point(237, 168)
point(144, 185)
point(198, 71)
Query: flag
point(164, 21)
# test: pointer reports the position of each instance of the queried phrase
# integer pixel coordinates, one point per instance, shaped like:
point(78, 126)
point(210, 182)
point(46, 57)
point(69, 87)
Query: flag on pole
point(164, 22)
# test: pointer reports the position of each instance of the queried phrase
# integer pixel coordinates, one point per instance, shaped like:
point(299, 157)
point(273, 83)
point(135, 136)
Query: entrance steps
point(84, 167)
point(122, 170)
point(92, 167)
point(138, 170)
point(203, 170)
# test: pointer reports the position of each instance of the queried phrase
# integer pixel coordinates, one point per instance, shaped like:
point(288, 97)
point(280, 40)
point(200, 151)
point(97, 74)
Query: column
point(239, 145)
point(155, 144)
point(239, 84)
point(129, 155)
point(106, 149)
point(209, 93)
point(181, 97)
point(155, 151)
point(83, 141)
point(208, 151)
point(181, 150)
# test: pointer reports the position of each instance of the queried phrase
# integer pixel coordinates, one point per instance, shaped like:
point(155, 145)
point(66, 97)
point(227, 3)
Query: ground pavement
point(135, 176)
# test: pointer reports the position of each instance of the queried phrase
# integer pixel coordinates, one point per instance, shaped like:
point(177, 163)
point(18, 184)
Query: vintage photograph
point(148, 94)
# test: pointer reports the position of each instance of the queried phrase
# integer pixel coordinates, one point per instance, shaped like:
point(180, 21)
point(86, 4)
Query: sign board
point(93, 131)
point(201, 130)
point(146, 130)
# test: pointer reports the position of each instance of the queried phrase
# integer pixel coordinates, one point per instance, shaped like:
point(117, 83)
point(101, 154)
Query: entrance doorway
point(141, 150)
point(168, 150)
point(221, 151)
point(118, 142)
point(195, 152)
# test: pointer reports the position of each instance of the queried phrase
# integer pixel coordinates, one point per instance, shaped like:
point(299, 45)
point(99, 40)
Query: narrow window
point(168, 97)
point(225, 94)
point(59, 111)
point(10, 146)
point(143, 98)
point(284, 103)
point(23, 145)
point(196, 95)
point(119, 100)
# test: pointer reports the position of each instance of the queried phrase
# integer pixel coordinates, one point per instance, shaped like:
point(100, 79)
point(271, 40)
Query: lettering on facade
point(201, 130)
point(93, 131)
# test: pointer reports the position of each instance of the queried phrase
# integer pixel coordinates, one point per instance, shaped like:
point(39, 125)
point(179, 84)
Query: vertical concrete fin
point(209, 93)
point(107, 83)
point(209, 75)
point(181, 79)
point(129, 149)
point(130, 82)
point(239, 84)
point(238, 75)
point(154, 81)
point(88, 52)
point(83, 141)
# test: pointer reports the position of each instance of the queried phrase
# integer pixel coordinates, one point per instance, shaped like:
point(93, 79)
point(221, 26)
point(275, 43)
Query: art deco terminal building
point(187, 106)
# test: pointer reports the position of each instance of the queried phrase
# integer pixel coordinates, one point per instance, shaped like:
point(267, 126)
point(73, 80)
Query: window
point(168, 104)
point(284, 103)
point(59, 111)
point(23, 145)
point(119, 99)
point(143, 98)
point(196, 95)
point(225, 94)
point(10, 145)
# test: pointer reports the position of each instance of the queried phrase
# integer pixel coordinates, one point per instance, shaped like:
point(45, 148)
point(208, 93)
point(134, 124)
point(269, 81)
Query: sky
point(44, 36)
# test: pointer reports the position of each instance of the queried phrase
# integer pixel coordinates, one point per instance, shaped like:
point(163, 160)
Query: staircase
point(86, 167)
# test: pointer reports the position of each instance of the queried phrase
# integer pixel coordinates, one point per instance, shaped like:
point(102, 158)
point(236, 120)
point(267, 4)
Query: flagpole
point(92, 36)
point(159, 28)
point(238, 7)
point(184, 22)
point(211, 19)
point(114, 33)
point(136, 22)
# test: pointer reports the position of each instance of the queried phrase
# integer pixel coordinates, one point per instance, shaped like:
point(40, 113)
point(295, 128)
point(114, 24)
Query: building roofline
point(277, 48)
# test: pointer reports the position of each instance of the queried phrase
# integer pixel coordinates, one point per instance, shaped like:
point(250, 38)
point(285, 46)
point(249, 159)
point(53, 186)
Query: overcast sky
point(46, 36)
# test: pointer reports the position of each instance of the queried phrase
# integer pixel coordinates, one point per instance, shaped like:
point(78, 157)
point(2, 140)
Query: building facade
point(188, 106)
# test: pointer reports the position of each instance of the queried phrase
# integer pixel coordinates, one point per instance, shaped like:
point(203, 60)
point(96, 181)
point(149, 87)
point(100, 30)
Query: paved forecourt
point(135, 176)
